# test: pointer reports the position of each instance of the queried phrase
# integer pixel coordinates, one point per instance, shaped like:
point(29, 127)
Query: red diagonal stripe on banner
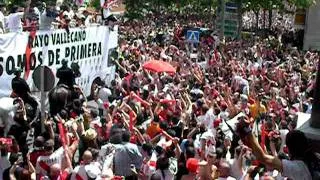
point(32, 35)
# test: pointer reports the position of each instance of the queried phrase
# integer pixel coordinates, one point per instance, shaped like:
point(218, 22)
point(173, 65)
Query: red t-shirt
point(163, 115)
point(34, 156)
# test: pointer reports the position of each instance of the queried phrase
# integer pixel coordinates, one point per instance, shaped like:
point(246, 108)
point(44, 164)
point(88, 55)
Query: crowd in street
point(40, 16)
point(166, 126)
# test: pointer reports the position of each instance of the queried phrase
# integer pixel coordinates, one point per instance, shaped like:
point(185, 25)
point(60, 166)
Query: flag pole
point(43, 97)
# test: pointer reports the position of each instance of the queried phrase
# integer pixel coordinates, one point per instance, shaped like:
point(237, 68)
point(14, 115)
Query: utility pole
point(42, 99)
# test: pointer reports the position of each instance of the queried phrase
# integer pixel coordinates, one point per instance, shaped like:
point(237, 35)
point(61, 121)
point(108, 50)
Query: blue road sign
point(193, 36)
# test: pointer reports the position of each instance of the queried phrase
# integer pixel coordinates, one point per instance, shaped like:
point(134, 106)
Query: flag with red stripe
point(263, 137)
point(131, 121)
point(62, 135)
point(31, 38)
point(44, 166)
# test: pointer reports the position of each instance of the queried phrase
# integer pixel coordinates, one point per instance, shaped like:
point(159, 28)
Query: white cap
point(243, 97)
point(92, 171)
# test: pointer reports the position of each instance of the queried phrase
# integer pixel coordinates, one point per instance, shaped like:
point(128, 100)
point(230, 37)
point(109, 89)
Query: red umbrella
point(159, 66)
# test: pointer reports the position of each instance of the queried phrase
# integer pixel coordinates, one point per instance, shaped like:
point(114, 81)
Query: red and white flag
point(31, 38)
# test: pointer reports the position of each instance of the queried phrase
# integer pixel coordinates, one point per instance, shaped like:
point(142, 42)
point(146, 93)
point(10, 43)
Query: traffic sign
point(193, 36)
point(48, 81)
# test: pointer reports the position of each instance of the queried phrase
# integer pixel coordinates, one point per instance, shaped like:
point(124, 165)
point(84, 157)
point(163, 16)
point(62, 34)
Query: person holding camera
point(302, 160)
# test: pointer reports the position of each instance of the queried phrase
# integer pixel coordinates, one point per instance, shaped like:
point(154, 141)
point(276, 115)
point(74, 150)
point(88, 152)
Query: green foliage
point(256, 5)
point(95, 4)
point(274, 4)
point(10, 3)
point(22, 3)
point(302, 3)
point(135, 8)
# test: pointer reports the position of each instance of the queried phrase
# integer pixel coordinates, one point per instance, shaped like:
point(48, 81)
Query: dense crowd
point(42, 16)
point(165, 126)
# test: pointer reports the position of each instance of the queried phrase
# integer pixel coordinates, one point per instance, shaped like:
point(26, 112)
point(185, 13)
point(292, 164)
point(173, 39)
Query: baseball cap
point(192, 165)
point(92, 171)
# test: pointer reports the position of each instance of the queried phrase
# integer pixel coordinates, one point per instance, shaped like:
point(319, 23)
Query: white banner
point(87, 46)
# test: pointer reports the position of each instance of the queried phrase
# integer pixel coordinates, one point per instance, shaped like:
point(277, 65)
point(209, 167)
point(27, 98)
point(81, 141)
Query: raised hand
point(243, 127)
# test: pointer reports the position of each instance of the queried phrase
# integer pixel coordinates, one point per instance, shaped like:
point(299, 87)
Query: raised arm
point(177, 147)
point(120, 67)
point(248, 138)
point(32, 170)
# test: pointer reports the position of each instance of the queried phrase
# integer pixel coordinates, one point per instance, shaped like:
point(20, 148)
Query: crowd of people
point(41, 16)
point(166, 126)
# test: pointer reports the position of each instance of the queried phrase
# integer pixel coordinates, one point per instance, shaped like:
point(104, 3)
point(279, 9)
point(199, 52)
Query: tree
point(269, 5)
point(302, 3)
point(95, 4)
point(181, 6)
point(134, 8)
point(252, 5)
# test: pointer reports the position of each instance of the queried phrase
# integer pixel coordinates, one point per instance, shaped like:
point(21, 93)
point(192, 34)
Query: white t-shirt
point(295, 170)
point(45, 21)
point(14, 22)
point(105, 150)
point(209, 118)
point(92, 170)
point(104, 93)
point(7, 111)
point(200, 119)
point(46, 161)
point(87, 22)
point(242, 82)
point(209, 137)
point(283, 134)
point(224, 115)
point(37, 12)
